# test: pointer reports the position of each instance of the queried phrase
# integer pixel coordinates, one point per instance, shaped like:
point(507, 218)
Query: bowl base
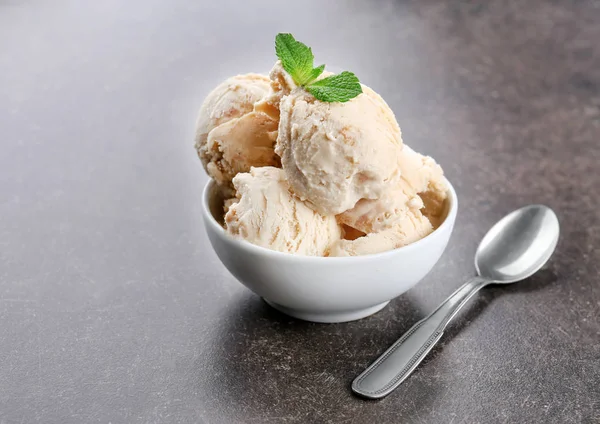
point(328, 317)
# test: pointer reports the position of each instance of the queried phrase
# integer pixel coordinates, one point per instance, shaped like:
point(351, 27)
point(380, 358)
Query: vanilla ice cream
point(230, 136)
point(269, 215)
point(335, 154)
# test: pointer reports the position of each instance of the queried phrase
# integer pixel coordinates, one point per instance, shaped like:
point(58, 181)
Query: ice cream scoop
point(335, 154)
point(412, 227)
point(421, 186)
point(231, 99)
point(426, 177)
point(230, 136)
point(375, 215)
point(269, 215)
point(240, 143)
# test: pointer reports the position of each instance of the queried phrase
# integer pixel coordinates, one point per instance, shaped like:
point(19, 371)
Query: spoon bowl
point(518, 245)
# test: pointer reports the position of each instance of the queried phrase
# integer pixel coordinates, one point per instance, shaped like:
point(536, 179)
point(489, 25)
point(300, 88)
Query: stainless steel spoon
point(512, 250)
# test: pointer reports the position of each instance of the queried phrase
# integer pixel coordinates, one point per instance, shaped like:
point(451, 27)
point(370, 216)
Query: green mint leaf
point(296, 58)
point(336, 88)
point(315, 73)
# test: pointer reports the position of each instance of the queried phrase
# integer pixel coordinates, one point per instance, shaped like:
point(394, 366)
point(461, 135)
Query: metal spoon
point(512, 250)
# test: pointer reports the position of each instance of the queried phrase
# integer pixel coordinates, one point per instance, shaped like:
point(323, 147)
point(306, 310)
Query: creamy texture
point(231, 99)
point(422, 173)
point(269, 215)
point(349, 186)
point(281, 85)
point(427, 178)
point(421, 186)
point(374, 215)
point(237, 145)
point(230, 136)
point(414, 226)
point(335, 154)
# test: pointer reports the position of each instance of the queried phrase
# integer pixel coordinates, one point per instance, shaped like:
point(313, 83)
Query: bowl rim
point(246, 245)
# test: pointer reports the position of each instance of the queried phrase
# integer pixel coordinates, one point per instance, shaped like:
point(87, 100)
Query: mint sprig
point(336, 88)
point(297, 59)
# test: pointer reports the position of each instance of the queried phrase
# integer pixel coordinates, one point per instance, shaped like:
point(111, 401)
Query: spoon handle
point(401, 359)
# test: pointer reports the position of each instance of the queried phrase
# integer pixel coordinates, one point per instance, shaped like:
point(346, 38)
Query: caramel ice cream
point(412, 227)
point(426, 177)
point(269, 215)
point(374, 215)
point(230, 136)
point(421, 186)
point(281, 84)
point(311, 165)
point(335, 154)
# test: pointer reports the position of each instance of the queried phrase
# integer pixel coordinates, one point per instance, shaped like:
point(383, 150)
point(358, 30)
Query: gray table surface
point(114, 308)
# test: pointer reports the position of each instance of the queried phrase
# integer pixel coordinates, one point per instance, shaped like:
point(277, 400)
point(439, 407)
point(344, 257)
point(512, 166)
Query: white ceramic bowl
point(326, 289)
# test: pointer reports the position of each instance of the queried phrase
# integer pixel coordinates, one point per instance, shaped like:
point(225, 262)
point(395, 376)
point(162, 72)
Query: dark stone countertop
point(114, 308)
